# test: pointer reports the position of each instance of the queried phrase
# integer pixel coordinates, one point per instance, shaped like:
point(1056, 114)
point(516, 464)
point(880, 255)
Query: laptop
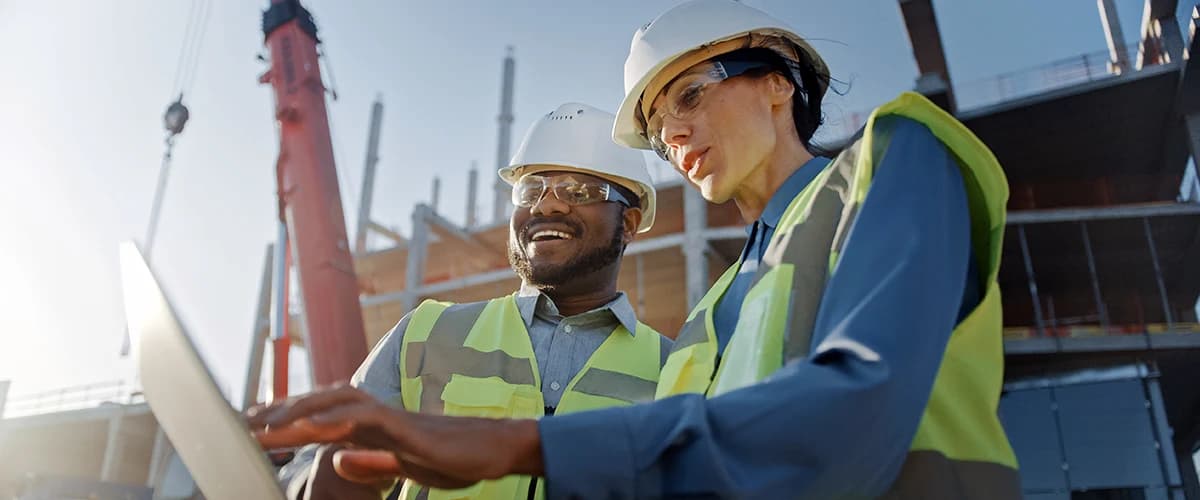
point(207, 433)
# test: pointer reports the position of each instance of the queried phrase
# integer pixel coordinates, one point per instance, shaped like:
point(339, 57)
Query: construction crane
point(311, 222)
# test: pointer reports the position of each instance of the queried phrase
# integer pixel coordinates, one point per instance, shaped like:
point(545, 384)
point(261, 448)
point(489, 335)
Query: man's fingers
point(302, 432)
point(367, 466)
point(301, 406)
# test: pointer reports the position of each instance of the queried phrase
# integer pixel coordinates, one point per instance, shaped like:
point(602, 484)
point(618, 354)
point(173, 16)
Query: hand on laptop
point(333, 477)
point(436, 451)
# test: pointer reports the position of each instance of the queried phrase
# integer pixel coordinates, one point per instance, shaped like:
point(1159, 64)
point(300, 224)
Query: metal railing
point(72, 398)
point(1003, 87)
point(1097, 320)
point(1038, 79)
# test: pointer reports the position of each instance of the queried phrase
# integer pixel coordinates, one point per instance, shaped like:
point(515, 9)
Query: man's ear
point(631, 219)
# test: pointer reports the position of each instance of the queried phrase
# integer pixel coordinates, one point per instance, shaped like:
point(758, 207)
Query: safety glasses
point(685, 94)
point(530, 189)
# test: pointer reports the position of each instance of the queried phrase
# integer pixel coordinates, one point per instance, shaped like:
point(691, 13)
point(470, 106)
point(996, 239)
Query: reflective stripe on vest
point(477, 360)
point(960, 434)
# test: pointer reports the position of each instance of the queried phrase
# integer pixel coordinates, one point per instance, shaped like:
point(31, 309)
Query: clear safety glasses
point(530, 189)
point(684, 95)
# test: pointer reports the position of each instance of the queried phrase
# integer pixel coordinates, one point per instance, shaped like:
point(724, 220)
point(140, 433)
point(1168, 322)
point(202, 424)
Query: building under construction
point(1100, 274)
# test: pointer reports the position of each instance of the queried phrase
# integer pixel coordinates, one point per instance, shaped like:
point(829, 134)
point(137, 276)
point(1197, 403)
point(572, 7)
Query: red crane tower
point(310, 204)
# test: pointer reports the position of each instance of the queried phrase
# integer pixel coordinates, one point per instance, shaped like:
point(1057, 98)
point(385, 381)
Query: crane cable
point(176, 115)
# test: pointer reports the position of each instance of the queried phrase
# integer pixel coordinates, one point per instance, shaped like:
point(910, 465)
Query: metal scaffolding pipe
point(1158, 277)
point(472, 194)
point(1091, 259)
point(1118, 56)
point(368, 183)
point(437, 193)
point(500, 203)
point(280, 341)
point(260, 331)
point(279, 309)
point(1033, 291)
point(1019, 217)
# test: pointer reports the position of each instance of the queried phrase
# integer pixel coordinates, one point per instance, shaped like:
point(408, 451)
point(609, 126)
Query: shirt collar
point(530, 301)
point(790, 188)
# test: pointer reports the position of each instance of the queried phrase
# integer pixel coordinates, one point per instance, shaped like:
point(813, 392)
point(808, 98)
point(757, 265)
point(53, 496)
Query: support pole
point(695, 220)
point(472, 195)
point(1158, 277)
point(500, 204)
point(1033, 290)
point(368, 185)
point(279, 314)
point(112, 447)
point(260, 331)
point(1118, 56)
point(1087, 247)
point(414, 273)
point(437, 193)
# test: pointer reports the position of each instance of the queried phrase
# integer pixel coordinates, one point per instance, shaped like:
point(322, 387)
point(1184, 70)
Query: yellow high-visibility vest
point(960, 449)
point(477, 360)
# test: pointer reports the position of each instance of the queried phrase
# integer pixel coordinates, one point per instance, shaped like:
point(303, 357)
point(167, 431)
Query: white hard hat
point(686, 28)
point(576, 138)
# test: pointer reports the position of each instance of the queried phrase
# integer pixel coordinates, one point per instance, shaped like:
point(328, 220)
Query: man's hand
point(436, 451)
point(330, 478)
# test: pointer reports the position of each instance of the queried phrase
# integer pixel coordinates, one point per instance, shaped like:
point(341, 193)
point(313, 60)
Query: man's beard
point(556, 275)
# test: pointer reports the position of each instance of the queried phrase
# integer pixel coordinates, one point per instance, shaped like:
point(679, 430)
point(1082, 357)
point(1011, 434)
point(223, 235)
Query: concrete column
point(112, 447)
point(3, 395)
point(500, 189)
point(158, 456)
point(260, 331)
point(695, 220)
point(415, 267)
point(472, 193)
point(368, 184)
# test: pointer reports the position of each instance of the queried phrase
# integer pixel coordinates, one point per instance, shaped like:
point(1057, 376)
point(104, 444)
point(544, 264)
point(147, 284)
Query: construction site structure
point(1100, 274)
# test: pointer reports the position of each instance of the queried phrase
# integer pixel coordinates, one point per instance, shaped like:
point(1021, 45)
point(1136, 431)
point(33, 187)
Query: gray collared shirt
point(561, 346)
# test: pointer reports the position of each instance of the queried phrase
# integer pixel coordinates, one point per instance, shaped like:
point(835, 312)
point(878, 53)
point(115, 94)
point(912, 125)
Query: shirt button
point(554, 385)
point(567, 328)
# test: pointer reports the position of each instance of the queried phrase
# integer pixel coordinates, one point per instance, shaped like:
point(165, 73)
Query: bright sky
point(85, 85)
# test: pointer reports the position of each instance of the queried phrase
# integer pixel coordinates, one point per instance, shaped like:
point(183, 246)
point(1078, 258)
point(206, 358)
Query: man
point(567, 341)
point(853, 351)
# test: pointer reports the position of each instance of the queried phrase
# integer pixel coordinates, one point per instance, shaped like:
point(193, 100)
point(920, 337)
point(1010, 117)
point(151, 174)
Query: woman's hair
point(810, 84)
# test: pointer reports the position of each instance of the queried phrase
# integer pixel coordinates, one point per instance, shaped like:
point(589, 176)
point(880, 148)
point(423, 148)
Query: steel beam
point(1101, 213)
point(368, 184)
point(933, 79)
point(260, 331)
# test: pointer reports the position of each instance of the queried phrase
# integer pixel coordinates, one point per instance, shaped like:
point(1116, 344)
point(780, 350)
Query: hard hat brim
point(626, 129)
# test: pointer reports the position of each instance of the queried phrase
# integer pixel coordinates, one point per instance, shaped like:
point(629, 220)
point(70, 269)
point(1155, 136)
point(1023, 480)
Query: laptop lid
point(209, 435)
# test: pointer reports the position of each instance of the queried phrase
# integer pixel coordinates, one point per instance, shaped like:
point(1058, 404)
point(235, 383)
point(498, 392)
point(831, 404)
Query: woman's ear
point(779, 88)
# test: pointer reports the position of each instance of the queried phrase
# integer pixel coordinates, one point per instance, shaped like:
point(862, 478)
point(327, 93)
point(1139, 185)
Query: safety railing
point(1003, 87)
point(1058, 74)
point(1091, 310)
point(72, 398)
